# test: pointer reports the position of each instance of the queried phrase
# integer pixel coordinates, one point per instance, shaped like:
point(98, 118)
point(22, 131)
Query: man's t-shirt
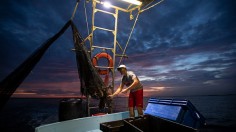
point(129, 79)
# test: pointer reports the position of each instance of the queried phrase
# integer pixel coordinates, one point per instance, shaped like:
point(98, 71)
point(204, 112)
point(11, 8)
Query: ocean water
point(24, 114)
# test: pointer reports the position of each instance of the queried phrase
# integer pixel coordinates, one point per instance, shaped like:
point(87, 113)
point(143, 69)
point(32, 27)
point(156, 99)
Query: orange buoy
point(102, 55)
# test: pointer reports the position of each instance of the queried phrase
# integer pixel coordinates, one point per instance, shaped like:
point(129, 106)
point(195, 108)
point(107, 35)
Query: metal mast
point(90, 37)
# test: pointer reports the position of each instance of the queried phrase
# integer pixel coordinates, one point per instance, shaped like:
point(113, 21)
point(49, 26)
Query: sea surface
point(25, 114)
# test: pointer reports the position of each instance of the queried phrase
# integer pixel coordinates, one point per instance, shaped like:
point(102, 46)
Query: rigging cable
point(86, 16)
point(73, 14)
point(135, 24)
point(151, 6)
point(148, 4)
point(128, 39)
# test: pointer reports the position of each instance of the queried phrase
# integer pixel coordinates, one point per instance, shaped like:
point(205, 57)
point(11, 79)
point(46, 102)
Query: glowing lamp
point(135, 2)
point(107, 4)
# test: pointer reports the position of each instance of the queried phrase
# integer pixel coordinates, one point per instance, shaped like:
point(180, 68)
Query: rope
point(148, 4)
point(9, 85)
point(128, 39)
point(73, 14)
point(152, 6)
point(86, 17)
point(135, 24)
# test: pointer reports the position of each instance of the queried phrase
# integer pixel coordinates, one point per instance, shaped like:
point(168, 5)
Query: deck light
point(107, 4)
point(135, 2)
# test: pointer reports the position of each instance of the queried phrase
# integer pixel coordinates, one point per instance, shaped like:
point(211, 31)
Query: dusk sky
point(178, 48)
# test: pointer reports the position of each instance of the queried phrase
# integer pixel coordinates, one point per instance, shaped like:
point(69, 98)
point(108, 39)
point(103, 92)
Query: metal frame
point(115, 43)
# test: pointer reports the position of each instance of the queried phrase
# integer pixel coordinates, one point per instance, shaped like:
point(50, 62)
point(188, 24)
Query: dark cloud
point(178, 47)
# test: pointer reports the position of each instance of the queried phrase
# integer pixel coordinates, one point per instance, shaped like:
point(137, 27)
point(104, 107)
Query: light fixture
point(107, 4)
point(135, 2)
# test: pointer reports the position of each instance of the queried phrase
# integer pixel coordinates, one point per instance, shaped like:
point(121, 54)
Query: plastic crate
point(150, 123)
point(113, 126)
point(178, 110)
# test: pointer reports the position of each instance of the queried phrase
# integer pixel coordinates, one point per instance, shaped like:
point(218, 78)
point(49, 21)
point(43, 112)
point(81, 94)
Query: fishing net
point(90, 80)
point(91, 83)
point(9, 85)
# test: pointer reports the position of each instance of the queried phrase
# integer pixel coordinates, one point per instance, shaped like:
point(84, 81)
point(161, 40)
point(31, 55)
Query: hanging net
point(91, 83)
point(90, 80)
point(9, 85)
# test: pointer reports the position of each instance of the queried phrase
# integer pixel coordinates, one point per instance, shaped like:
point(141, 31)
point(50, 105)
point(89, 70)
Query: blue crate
point(178, 110)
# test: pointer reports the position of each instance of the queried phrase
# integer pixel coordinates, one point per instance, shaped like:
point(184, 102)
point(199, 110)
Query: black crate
point(137, 124)
point(150, 123)
point(113, 126)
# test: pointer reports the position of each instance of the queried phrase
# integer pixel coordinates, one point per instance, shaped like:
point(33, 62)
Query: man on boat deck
point(134, 86)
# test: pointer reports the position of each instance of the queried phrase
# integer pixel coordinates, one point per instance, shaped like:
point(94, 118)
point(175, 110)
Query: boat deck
point(87, 124)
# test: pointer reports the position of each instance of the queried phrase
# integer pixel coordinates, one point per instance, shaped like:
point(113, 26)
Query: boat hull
point(91, 124)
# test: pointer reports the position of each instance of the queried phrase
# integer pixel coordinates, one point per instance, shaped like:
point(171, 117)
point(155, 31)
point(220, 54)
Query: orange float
point(102, 55)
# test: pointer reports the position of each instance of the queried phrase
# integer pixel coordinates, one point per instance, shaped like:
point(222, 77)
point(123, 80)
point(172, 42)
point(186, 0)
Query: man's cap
point(121, 66)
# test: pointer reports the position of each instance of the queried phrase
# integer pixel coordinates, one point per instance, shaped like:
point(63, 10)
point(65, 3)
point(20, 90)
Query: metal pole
point(114, 55)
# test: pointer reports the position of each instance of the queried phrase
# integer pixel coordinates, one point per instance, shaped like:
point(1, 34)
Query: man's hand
point(110, 96)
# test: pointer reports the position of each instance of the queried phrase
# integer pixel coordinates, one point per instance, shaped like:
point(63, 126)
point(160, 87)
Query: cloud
point(178, 47)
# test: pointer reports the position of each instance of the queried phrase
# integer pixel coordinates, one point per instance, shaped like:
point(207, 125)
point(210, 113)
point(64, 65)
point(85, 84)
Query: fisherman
point(135, 89)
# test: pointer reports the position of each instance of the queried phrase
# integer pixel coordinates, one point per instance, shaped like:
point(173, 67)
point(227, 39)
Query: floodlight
point(107, 4)
point(135, 2)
